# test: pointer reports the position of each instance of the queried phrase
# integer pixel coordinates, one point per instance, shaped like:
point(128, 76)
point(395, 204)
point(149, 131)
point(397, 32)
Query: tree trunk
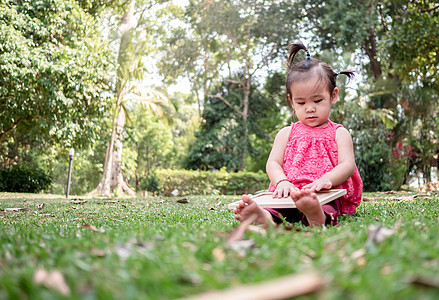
point(116, 179)
point(370, 48)
point(427, 173)
point(246, 100)
point(112, 179)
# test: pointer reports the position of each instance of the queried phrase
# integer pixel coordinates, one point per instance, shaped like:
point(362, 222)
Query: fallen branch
point(239, 231)
point(281, 288)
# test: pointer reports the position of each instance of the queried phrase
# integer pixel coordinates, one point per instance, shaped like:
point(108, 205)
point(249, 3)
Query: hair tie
point(308, 56)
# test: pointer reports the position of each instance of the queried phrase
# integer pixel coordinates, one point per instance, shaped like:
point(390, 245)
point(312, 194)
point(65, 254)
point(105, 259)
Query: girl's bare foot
point(306, 201)
point(247, 208)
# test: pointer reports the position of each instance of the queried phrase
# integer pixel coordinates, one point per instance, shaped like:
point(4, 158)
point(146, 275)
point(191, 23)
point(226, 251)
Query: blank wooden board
point(266, 199)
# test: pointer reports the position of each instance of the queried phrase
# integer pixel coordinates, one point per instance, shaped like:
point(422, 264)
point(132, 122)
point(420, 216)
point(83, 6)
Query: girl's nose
point(310, 108)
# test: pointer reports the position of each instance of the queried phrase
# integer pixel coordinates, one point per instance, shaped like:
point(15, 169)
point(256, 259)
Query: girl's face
point(312, 101)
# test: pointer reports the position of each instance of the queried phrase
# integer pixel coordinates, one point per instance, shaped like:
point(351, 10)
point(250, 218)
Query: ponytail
point(297, 71)
point(293, 50)
point(349, 73)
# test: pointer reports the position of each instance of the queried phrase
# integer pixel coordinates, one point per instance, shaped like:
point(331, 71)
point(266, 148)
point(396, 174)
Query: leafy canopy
point(53, 71)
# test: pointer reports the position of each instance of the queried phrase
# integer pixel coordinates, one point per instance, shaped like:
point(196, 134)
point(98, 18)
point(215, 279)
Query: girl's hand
point(323, 183)
point(283, 189)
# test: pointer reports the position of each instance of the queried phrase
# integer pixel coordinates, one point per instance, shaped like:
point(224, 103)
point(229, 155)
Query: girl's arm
point(274, 165)
point(345, 167)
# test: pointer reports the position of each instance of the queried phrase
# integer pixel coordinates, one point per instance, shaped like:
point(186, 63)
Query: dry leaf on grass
point(53, 280)
point(190, 246)
point(423, 195)
point(80, 202)
point(242, 246)
point(91, 227)
point(358, 253)
point(403, 198)
point(183, 201)
point(133, 246)
point(425, 282)
point(365, 199)
point(97, 252)
point(377, 234)
point(219, 254)
point(358, 256)
point(386, 270)
point(280, 288)
point(14, 209)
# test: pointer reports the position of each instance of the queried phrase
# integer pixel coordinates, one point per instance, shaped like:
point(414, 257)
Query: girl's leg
point(247, 207)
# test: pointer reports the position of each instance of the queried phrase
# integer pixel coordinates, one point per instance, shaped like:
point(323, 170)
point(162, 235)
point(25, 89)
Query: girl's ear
point(334, 95)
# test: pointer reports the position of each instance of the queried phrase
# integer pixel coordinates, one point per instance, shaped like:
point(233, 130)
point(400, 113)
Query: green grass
point(157, 248)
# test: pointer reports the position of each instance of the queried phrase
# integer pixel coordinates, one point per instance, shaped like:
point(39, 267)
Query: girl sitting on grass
point(310, 155)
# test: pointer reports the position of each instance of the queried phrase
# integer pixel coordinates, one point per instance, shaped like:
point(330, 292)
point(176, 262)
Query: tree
point(400, 41)
point(412, 41)
point(52, 72)
point(112, 177)
point(129, 72)
point(244, 37)
point(153, 142)
point(218, 142)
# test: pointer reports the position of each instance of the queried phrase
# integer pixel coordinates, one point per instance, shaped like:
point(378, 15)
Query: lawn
point(169, 248)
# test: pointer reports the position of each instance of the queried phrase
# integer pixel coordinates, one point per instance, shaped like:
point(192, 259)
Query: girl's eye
point(300, 103)
point(318, 101)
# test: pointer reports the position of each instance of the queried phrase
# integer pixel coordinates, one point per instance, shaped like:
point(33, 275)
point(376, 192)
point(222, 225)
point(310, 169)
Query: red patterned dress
point(310, 153)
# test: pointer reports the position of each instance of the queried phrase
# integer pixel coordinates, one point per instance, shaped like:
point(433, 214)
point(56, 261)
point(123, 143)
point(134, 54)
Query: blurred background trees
point(201, 85)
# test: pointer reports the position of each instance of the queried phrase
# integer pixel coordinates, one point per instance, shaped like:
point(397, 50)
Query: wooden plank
point(266, 199)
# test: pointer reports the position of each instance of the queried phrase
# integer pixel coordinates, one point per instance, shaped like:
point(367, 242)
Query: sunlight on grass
point(159, 248)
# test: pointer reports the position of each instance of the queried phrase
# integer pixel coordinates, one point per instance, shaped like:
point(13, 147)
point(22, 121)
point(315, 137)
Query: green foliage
point(208, 183)
point(242, 34)
point(245, 183)
point(25, 179)
point(152, 142)
point(413, 41)
point(379, 168)
point(53, 71)
point(219, 141)
point(150, 183)
point(56, 61)
point(87, 168)
point(372, 158)
point(190, 182)
point(399, 61)
point(219, 32)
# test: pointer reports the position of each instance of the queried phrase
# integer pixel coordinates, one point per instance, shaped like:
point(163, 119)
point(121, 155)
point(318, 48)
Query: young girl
point(310, 155)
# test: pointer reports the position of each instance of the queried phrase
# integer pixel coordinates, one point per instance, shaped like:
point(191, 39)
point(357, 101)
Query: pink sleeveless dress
point(312, 152)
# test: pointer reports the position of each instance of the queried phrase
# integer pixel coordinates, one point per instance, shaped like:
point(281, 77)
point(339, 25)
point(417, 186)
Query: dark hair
point(298, 71)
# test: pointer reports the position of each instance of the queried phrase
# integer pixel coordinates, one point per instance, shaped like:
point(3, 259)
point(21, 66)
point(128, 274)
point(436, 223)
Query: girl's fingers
point(284, 191)
point(308, 186)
